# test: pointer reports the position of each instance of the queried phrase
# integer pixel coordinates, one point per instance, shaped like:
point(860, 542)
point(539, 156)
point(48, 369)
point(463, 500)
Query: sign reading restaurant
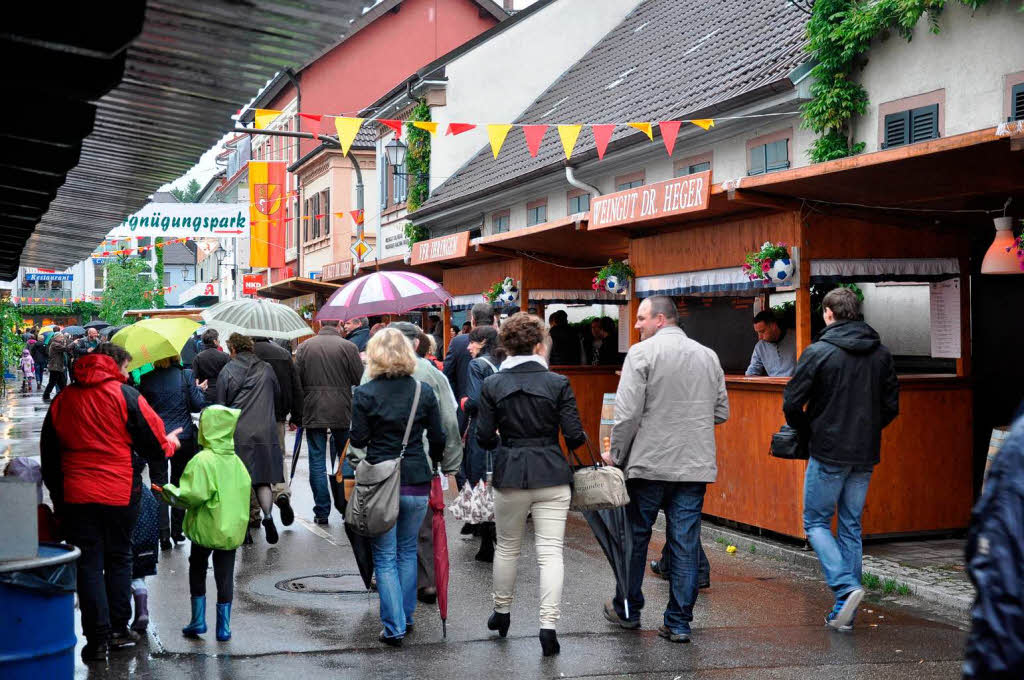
point(442, 248)
point(652, 202)
point(174, 220)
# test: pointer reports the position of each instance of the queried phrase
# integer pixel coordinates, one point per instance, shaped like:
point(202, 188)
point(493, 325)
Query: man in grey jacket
point(670, 397)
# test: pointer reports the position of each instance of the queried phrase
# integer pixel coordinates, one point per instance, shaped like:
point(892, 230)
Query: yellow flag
point(497, 133)
point(427, 125)
point(347, 128)
point(266, 116)
point(644, 128)
point(568, 135)
point(705, 123)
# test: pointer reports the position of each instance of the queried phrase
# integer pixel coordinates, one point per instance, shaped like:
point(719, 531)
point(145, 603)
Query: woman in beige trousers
point(528, 404)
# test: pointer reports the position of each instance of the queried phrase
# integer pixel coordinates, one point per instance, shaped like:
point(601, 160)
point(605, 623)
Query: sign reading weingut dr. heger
point(652, 202)
point(175, 220)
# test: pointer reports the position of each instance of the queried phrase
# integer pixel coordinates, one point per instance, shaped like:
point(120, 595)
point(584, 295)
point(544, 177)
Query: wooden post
point(446, 321)
point(963, 364)
point(630, 310)
point(803, 292)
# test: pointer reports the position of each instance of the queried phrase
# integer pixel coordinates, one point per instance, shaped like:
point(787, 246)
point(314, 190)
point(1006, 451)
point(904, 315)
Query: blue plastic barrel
point(37, 629)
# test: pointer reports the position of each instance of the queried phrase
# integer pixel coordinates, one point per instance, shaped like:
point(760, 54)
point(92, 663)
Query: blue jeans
point(316, 438)
point(827, 486)
point(682, 503)
point(394, 562)
point(39, 375)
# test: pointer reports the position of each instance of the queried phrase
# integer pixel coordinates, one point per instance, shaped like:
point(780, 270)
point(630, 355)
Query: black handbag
point(787, 443)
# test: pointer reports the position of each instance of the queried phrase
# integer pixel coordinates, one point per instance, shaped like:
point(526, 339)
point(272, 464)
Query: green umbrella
point(154, 339)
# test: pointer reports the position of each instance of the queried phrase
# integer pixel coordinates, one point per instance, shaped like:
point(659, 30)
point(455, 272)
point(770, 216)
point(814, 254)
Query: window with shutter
point(1017, 102)
point(326, 209)
point(383, 167)
point(897, 129)
point(924, 123)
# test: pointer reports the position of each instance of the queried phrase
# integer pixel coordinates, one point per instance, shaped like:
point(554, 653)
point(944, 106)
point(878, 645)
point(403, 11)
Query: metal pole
point(235, 276)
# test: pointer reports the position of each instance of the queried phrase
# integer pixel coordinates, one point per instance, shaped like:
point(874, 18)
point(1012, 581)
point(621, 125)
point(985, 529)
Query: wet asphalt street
point(300, 612)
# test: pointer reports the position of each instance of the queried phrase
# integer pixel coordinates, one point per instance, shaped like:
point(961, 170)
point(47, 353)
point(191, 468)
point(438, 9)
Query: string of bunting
point(356, 215)
point(139, 249)
point(568, 133)
point(85, 298)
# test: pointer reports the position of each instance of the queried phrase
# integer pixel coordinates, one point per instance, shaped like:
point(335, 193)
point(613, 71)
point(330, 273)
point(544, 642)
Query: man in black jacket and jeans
point(848, 383)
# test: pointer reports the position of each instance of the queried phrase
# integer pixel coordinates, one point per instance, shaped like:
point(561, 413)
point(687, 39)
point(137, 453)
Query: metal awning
point(109, 104)
point(296, 286)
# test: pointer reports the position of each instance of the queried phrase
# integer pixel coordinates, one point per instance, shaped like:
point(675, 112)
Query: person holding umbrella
point(529, 405)
point(249, 384)
point(381, 411)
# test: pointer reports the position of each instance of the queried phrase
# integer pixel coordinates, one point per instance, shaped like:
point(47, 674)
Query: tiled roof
point(668, 59)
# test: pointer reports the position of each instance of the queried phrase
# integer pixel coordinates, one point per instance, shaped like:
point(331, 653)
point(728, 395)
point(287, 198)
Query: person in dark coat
point(456, 368)
point(39, 355)
point(357, 331)
point(210, 362)
point(59, 353)
point(248, 383)
point(173, 393)
point(565, 341)
point(528, 404)
point(603, 346)
point(329, 367)
point(847, 382)
point(487, 356)
point(289, 404)
point(380, 415)
point(995, 543)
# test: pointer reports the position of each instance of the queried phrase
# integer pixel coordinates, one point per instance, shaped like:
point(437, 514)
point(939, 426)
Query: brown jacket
point(329, 367)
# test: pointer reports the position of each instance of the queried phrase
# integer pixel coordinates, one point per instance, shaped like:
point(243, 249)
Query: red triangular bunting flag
point(459, 128)
point(395, 125)
point(669, 130)
point(534, 133)
point(602, 133)
point(312, 116)
point(357, 216)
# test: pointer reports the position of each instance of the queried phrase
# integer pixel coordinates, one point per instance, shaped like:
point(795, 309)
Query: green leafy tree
point(10, 322)
point(158, 273)
point(128, 286)
point(417, 160)
point(190, 194)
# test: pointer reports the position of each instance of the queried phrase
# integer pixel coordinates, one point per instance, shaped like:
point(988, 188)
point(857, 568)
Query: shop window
point(911, 126)
point(769, 157)
point(684, 169)
point(629, 181)
point(579, 201)
point(536, 212)
point(1017, 102)
point(500, 222)
point(325, 210)
point(382, 165)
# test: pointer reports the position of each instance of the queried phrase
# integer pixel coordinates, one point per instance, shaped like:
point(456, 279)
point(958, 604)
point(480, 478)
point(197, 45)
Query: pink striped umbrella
point(382, 293)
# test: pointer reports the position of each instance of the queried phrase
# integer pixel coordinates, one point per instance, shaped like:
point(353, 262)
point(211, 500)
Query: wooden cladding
point(479, 277)
point(841, 238)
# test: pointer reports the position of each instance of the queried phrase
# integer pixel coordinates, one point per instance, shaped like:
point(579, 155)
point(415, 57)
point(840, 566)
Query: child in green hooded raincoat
point(214, 490)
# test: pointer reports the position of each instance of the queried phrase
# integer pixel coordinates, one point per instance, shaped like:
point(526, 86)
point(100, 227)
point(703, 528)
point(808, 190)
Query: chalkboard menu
point(725, 324)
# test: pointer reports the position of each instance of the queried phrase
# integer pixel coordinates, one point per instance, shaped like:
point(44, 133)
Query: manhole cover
point(324, 583)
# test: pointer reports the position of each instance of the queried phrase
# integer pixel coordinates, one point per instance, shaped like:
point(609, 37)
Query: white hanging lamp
point(1001, 257)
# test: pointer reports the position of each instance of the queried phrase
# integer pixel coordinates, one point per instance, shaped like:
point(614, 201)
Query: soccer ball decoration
point(613, 285)
point(614, 278)
point(509, 292)
point(781, 271)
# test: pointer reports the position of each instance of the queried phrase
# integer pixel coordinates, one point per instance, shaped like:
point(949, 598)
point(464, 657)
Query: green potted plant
point(504, 291)
point(771, 264)
point(614, 277)
point(306, 312)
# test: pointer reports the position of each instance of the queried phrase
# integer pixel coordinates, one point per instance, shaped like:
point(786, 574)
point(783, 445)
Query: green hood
point(217, 429)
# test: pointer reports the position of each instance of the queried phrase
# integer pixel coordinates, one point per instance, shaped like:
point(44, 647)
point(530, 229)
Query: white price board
point(945, 319)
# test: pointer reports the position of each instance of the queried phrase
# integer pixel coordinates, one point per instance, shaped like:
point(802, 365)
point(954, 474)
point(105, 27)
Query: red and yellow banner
point(267, 205)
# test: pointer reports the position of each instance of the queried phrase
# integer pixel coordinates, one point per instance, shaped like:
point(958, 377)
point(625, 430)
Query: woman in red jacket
point(94, 479)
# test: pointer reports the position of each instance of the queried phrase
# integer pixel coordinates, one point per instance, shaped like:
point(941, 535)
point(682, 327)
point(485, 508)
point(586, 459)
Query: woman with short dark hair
point(529, 405)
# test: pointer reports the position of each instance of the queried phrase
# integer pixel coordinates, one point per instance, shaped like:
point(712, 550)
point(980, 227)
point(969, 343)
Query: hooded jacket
point(89, 434)
point(58, 351)
point(847, 380)
point(214, 488)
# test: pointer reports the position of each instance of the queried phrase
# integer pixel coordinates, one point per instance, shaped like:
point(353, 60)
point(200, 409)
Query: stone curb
point(959, 603)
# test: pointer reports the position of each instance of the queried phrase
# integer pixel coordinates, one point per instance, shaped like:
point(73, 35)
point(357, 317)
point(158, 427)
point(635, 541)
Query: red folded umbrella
point(440, 550)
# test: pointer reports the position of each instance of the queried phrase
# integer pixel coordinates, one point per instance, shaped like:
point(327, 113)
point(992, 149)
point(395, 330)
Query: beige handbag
point(597, 486)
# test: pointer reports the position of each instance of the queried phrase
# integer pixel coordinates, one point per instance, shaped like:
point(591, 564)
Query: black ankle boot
point(549, 642)
point(487, 538)
point(500, 623)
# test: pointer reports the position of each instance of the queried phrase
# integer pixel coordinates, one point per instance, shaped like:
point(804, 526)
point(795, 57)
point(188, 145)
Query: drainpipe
point(359, 195)
point(290, 74)
point(571, 179)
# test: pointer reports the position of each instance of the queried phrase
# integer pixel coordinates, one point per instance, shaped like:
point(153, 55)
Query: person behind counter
point(603, 349)
point(565, 341)
point(775, 352)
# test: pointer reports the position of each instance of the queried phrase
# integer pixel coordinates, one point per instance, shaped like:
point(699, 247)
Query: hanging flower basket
point(614, 277)
point(306, 312)
point(771, 264)
point(504, 291)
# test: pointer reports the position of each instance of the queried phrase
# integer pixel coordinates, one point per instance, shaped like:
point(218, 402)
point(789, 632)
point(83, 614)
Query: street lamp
point(395, 151)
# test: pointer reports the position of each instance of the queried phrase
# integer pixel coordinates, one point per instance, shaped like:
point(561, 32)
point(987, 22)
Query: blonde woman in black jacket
point(529, 405)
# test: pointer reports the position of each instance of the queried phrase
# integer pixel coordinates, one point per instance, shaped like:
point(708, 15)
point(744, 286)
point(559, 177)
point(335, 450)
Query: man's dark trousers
point(682, 503)
point(703, 566)
point(104, 535)
point(58, 380)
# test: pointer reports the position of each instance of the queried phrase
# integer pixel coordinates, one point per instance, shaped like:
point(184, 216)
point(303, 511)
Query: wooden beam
point(758, 200)
point(803, 293)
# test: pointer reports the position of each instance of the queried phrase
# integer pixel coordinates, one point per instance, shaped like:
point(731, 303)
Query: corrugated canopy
point(109, 103)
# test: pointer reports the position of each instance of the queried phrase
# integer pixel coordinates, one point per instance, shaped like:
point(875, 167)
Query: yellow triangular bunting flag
point(644, 128)
point(497, 133)
point(427, 125)
point(568, 135)
point(705, 123)
point(266, 116)
point(347, 128)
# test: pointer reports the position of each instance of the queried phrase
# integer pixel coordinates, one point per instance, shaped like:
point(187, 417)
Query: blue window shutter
point(758, 160)
point(1017, 102)
point(924, 123)
point(897, 129)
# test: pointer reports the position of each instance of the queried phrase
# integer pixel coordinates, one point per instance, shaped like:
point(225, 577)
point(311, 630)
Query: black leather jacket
point(528, 404)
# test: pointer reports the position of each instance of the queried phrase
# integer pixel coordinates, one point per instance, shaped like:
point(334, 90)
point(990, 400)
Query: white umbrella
point(382, 293)
point(256, 318)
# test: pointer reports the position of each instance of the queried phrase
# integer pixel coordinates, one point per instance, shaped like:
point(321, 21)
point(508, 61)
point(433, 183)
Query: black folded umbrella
point(362, 547)
point(611, 529)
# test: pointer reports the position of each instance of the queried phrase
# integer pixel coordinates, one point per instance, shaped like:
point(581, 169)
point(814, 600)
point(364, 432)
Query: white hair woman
point(380, 412)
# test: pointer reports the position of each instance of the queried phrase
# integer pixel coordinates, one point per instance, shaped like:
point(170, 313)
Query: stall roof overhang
point(396, 263)
point(110, 105)
point(565, 240)
point(296, 287)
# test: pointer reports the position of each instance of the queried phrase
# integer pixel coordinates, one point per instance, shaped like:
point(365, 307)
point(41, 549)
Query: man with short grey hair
point(847, 381)
point(668, 454)
point(357, 331)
